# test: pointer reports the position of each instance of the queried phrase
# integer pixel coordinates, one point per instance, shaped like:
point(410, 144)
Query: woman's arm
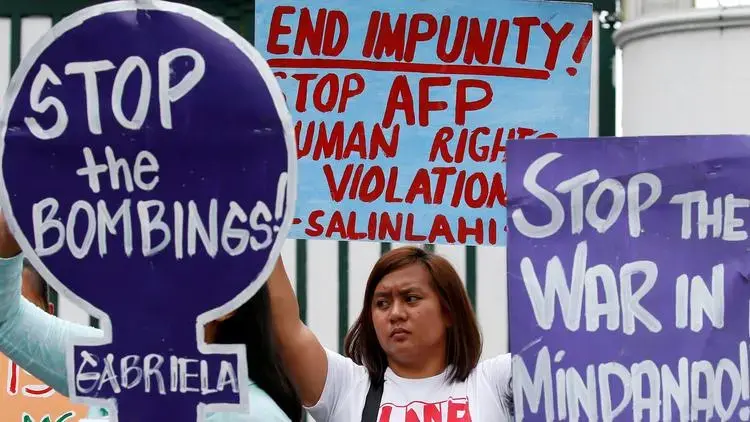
point(30, 337)
point(301, 353)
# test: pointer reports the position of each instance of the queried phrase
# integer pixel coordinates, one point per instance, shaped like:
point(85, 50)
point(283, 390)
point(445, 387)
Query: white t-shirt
point(483, 397)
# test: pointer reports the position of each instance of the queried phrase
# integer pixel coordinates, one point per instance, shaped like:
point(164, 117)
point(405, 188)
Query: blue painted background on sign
point(558, 104)
point(668, 342)
point(226, 147)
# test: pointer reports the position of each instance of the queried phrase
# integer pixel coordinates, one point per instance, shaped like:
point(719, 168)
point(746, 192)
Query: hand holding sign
point(148, 165)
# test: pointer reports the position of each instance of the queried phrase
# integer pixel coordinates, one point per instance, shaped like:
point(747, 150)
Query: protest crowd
point(158, 163)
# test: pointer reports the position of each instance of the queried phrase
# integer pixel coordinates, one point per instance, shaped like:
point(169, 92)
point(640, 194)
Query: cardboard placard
point(148, 169)
point(403, 110)
point(628, 278)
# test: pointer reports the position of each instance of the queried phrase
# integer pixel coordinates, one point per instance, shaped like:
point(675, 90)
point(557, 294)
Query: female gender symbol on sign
point(148, 168)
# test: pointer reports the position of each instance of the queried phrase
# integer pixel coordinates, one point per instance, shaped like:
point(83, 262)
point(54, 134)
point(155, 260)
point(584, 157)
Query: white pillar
point(686, 72)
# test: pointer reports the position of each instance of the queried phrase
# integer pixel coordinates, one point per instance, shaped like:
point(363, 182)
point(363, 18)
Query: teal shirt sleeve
point(32, 338)
point(262, 409)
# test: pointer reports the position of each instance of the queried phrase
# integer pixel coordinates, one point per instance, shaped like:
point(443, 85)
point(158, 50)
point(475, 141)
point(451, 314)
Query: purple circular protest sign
point(148, 169)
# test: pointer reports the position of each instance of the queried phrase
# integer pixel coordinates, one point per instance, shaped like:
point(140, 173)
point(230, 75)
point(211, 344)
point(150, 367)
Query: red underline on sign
point(449, 69)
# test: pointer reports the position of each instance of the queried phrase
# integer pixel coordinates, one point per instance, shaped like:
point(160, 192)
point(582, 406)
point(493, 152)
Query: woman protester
point(413, 353)
point(37, 341)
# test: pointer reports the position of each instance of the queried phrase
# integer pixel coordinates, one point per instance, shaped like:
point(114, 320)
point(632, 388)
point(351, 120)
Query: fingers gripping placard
point(148, 169)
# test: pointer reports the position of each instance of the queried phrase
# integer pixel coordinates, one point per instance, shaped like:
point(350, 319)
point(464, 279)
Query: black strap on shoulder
point(372, 403)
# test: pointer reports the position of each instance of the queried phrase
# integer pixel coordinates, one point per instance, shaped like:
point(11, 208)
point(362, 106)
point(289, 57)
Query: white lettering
point(91, 87)
point(144, 97)
point(37, 86)
point(581, 208)
point(675, 391)
point(169, 94)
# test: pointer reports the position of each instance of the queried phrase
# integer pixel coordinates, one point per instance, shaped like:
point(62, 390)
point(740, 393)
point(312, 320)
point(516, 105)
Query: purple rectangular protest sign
point(628, 276)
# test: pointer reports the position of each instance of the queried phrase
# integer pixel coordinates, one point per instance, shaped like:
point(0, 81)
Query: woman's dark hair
point(464, 341)
point(251, 325)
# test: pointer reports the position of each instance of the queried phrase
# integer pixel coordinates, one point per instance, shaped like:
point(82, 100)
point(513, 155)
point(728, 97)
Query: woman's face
point(408, 318)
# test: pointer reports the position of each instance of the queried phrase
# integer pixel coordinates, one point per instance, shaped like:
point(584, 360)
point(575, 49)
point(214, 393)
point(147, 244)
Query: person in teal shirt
point(36, 341)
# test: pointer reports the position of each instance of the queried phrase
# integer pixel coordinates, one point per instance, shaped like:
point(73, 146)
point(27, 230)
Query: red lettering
point(464, 231)
point(409, 234)
point(315, 228)
point(524, 25)
point(497, 145)
point(420, 185)
point(399, 98)
point(326, 92)
point(416, 35)
point(556, 39)
point(329, 145)
point(390, 40)
point(497, 192)
point(500, 41)
point(389, 230)
point(13, 378)
point(478, 153)
point(337, 188)
point(442, 173)
point(351, 227)
point(469, 141)
point(276, 29)
point(462, 105)
point(349, 92)
point(319, 36)
point(456, 199)
point(356, 181)
point(336, 20)
point(14, 381)
point(432, 413)
point(440, 144)
point(308, 32)
point(372, 226)
point(379, 143)
point(524, 132)
point(411, 416)
point(336, 225)
point(458, 412)
point(340, 144)
point(390, 190)
point(478, 42)
point(442, 42)
point(303, 79)
point(583, 42)
point(40, 390)
point(471, 184)
point(372, 31)
point(441, 228)
point(425, 105)
point(373, 184)
point(356, 144)
point(385, 413)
